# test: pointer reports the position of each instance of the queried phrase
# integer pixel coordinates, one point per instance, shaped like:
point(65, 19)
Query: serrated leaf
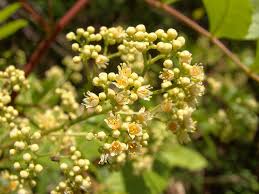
point(8, 11)
point(180, 156)
point(154, 182)
point(253, 31)
point(229, 18)
point(11, 27)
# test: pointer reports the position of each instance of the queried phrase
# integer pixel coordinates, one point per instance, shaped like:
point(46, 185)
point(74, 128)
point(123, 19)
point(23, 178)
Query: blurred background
point(224, 153)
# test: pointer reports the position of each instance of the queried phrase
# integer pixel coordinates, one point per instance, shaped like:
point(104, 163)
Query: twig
point(35, 15)
point(45, 43)
point(173, 12)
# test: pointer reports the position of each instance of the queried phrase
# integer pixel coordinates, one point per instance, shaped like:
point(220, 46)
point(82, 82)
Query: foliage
point(11, 27)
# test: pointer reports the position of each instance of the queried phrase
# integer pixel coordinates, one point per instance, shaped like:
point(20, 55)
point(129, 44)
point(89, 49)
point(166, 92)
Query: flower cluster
point(68, 100)
point(139, 87)
point(11, 80)
point(26, 145)
point(76, 178)
point(123, 93)
point(51, 118)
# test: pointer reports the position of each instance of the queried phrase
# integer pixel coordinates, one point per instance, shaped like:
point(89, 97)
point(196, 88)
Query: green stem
point(152, 61)
point(117, 54)
point(73, 122)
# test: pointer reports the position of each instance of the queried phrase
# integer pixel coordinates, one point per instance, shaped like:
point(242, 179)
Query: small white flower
point(166, 74)
point(197, 72)
point(144, 92)
point(113, 121)
point(91, 100)
point(122, 98)
point(121, 81)
point(124, 70)
point(143, 116)
point(116, 148)
point(134, 129)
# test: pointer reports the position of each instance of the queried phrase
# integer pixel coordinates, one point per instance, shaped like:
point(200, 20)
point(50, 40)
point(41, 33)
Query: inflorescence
point(137, 82)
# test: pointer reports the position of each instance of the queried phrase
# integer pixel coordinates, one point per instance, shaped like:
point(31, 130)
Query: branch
point(45, 43)
point(35, 15)
point(192, 24)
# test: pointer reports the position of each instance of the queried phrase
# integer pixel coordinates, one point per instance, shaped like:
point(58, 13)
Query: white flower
point(143, 116)
point(144, 92)
point(197, 72)
point(114, 122)
point(116, 148)
point(121, 81)
point(124, 70)
point(166, 74)
point(134, 129)
point(91, 100)
point(101, 61)
point(133, 147)
point(122, 98)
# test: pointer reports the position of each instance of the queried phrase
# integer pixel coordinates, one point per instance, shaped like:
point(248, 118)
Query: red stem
point(45, 43)
point(35, 15)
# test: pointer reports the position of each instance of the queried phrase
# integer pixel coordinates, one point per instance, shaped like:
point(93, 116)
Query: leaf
point(134, 184)
point(180, 156)
point(229, 18)
point(11, 27)
point(8, 11)
point(115, 183)
point(253, 31)
point(255, 66)
point(154, 182)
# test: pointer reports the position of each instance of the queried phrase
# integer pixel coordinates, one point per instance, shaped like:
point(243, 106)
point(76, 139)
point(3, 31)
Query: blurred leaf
point(255, 66)
point(89, 149)
point(11, 27)
point(229, 18)
point(154, 182)
point(8, 11)
point(253, 31)
point(198, 13)
point(180, 156)
point(134, 184)
point(115, 183)
point(49, 176)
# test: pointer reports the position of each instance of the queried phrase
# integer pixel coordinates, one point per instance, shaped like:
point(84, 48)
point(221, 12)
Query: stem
point(45, 43)
point(113, 55)
point(73, 122)
point(192, 24)
point(76, 134)
point(35, 15)
point(152, 61)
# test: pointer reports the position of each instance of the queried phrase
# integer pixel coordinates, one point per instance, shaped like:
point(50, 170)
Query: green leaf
point(253, 31)
point(11, 27)
point(180, 156)
point(134, 184)
point(8, 11)
point(154, 182)
point(115, 183)
point(229, 18)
